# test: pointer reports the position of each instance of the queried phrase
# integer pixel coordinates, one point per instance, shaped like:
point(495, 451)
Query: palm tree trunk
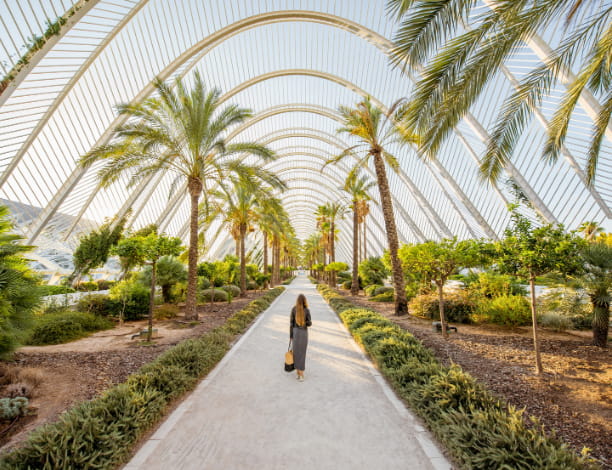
point(601, 317)
point(237, 247)
point(265, 257)
point(355, 281)
point(243, 228)
point(195, 189)
point(332, 234)
point(401, 302)
point(365, 248)
point(152, 300)
point(536, 342)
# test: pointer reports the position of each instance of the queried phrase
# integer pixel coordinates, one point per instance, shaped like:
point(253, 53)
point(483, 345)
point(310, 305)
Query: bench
point(437, 326)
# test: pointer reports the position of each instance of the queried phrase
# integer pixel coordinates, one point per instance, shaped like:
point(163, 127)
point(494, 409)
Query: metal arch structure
point(451, 190)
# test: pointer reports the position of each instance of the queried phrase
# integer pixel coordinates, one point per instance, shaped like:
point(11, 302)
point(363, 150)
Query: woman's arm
point(308, 319)
point(291, 323)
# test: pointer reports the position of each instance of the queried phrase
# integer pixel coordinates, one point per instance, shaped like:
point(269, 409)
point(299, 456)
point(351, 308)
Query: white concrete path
point(250, 414)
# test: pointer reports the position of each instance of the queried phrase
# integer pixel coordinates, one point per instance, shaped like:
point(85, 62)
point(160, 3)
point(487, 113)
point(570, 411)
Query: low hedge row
point(480, 431)
point(64, 326)
point(100, 433)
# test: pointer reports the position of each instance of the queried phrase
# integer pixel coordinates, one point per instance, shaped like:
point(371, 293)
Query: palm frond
point(599, 129)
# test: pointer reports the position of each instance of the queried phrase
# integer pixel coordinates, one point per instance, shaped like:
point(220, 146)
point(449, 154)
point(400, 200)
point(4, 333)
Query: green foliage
point(217, 295)
point(373, 271)
point(55, 290)
point(169, 272)
point(490, 284)
point(555, 321)
point(336, 267)
point(479, 431)
point(234, 291)
point(100, 433)
point(387, 296)
point(62, 327)
point(507, 310)
point(458, 307)
point(128, 299)
point(381, 290)
point(557, 307)
point(20, 289)
point(11, 408)
point(94, 248)
point(87, 286)
point(165, 312)
point(369, 290)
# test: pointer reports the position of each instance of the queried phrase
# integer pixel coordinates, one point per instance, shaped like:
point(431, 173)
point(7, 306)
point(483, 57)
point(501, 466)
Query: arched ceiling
point(293, 63)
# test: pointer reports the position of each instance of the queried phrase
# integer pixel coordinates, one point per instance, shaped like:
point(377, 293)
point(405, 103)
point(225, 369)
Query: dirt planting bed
point(573, 397)
point(78, 371)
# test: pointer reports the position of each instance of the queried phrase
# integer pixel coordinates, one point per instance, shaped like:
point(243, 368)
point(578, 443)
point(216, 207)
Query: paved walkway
point(250, 414)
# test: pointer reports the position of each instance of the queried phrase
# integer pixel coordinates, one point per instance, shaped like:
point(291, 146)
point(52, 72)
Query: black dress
point(299, 334)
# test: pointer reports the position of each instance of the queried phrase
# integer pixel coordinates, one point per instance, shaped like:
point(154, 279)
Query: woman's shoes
point(300, 379)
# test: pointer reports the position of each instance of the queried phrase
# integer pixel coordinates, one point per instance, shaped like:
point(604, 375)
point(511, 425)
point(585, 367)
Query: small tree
point(437, 261)
point(335, 268)
point(94, 249)
point(373, 271)
point(528, 251)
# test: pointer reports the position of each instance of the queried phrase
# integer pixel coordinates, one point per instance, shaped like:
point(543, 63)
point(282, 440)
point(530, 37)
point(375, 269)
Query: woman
point(298, 332)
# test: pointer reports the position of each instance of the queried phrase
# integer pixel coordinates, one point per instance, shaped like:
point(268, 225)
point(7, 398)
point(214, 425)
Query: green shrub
point(11, 408)
point(63, 327)
point(369, 290)
point(233, 290)
point(253, 285)
point(56, 290)
point(490, 285)
point(565, 304)
point(508, 310)
point(458, 307)
point(555, 321)
point(165, 312)
point(373, 271)
point(87, 286)
point(218, 296)
point(131, 297)
point(479, 431)
point(178, 292)
point(105, 284)
point(97, 304)
point(384, 297)
point(382, 290)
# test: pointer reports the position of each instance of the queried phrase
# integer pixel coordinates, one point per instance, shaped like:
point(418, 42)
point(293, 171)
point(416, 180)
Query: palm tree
point(456, 76)
point(363, 209)
point(182, 132)
point(598, 281)
point(358, 188)
point(267, 217)
point(590, 230)
point(238, 205)
point(376, 130)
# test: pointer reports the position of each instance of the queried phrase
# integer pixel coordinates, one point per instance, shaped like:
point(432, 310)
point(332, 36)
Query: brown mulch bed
point(75, 376)
point(574, 395)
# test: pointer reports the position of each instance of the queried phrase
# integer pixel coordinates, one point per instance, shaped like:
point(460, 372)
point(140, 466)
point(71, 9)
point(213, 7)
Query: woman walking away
point(298, 332)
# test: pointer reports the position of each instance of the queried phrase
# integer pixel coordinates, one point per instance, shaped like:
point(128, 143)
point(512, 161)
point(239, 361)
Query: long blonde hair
point(300, 305)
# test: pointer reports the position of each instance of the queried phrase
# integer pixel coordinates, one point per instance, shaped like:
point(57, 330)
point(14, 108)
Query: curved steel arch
point(204, 47)
point(316, 17)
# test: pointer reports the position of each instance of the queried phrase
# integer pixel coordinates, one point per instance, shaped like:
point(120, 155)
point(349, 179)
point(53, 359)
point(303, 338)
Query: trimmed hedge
point(100, 433)
point(480, 431)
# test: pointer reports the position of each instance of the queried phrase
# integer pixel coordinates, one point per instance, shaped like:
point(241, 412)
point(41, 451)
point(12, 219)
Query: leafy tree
point(358, 188)
point(182, 132)
point(528, 251)
point(597, 279)
point(94, 248)
point(170, 271)
point(19, 286)
point(373, 271)
point(376, 130)
point(437, 261)
point(149, 250)
point(335, 268)
point(466, 59)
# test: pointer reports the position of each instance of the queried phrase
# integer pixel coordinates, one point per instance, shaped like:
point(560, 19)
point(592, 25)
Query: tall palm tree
point(463, 64)
point(238, 205)
point(376, 130)
point(590, 230)
point(598, 281)
point(358, 188)
point(181, 131)
point(268, 212)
